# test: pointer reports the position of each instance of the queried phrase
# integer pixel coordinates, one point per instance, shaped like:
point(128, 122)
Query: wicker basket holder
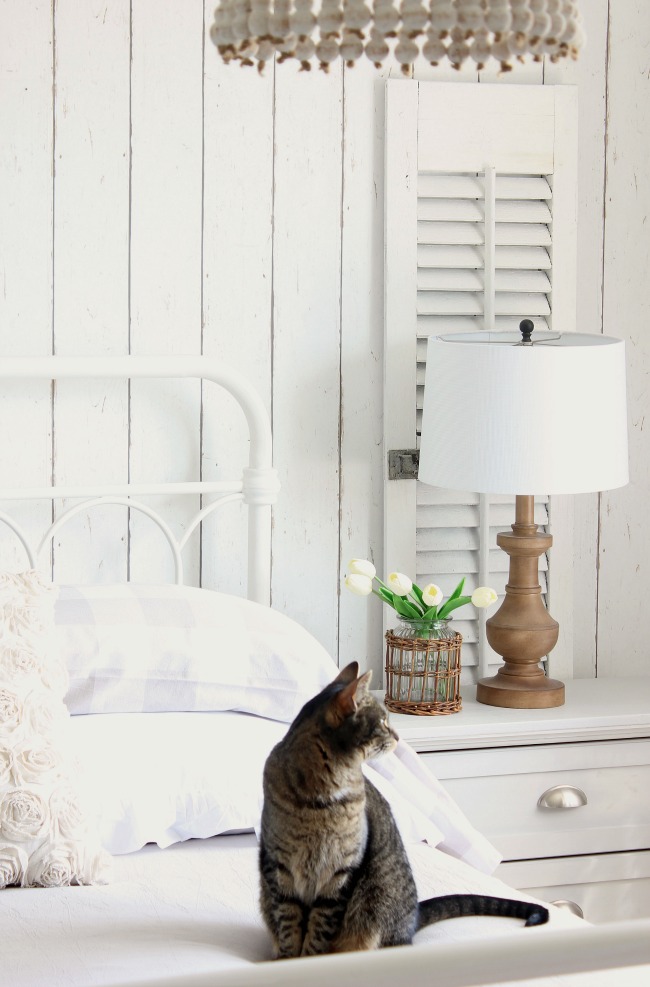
point(423, 675)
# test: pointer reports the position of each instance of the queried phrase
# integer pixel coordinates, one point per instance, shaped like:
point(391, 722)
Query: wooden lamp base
point(522, 631)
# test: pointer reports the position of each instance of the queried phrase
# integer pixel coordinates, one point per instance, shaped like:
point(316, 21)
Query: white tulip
point(432, 595)
point(484, 596)
point(399, 583)
point(361, 567)
point(359, 584)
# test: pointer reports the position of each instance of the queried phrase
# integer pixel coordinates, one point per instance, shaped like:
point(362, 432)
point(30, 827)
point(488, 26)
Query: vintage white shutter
point(480, 232)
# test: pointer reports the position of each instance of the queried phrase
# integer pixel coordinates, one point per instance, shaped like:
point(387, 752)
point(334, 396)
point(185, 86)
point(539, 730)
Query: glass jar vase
point(415, 627)
point(423, 666)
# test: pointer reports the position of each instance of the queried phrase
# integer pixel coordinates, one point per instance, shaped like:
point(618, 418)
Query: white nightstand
point(589, 760)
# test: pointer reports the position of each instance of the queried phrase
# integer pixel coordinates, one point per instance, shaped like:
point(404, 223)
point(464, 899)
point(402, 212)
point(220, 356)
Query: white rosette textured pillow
point(46, 839)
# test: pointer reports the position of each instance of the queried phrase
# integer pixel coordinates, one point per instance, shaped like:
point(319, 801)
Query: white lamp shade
point(549, 418)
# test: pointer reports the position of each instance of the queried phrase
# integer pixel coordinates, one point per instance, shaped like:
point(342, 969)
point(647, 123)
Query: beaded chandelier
point(253, 31)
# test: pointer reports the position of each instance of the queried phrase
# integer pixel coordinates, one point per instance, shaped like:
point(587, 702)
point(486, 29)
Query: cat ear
point(363, 685)
point(344, 703)
point(348, 674)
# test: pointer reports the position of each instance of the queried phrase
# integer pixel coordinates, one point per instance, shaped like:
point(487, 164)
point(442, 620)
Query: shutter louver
point(451, 253)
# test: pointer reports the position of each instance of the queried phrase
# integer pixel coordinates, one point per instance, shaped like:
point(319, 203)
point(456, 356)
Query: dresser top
point(595, 709)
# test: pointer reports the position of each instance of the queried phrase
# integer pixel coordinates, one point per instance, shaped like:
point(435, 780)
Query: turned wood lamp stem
point(522, 631)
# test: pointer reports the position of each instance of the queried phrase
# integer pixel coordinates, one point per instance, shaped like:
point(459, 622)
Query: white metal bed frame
point(478, 963)
point(257, 487)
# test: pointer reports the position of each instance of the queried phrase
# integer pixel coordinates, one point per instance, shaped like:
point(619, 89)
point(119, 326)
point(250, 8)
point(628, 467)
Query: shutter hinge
point(403, 464)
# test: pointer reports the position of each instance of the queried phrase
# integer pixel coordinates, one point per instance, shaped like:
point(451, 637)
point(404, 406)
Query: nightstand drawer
point(608, 887)
point(500, 792)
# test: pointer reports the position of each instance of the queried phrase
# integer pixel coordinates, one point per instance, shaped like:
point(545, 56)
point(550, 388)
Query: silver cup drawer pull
point(570, 906)
point(562, 797)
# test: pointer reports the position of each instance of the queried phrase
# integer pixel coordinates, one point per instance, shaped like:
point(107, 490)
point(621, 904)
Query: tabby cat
point(334, 873)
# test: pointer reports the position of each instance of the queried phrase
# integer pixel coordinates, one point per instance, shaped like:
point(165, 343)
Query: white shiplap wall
point(153, 200)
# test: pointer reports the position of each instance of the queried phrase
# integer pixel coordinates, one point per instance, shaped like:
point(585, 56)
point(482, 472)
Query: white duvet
point(192, 908)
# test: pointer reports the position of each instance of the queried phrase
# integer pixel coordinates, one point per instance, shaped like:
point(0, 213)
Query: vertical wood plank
point(624, 533)
point(237, 284)
point(306, 346)
point(362, 461)
point(561, 601)
point(589, 75)
point(400, 319)
point(165, 271)
point(91, 213)
point(25, 256)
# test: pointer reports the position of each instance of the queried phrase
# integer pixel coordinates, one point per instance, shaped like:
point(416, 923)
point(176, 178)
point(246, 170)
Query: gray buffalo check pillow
point(154, 649)
point(46, 838)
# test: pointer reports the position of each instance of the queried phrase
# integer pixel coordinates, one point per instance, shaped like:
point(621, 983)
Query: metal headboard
point(257, 487)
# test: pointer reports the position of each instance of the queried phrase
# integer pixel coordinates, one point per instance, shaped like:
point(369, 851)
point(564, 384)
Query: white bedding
point(190, 908)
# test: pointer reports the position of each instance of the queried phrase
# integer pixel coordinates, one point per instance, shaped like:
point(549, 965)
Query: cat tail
point(458, 905)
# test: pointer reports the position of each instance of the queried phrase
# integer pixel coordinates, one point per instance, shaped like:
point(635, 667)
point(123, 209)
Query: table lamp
point(521, 415)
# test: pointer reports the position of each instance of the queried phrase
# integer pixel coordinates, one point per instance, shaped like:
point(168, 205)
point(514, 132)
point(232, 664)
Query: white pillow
point(45, 836)
point(167, 777)
point(132, 648)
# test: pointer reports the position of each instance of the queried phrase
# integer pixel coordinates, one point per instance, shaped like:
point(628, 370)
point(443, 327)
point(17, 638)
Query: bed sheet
point(192, 908)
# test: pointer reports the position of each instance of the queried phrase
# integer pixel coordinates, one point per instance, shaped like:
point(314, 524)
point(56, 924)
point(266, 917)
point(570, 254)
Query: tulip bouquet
point(406, 598)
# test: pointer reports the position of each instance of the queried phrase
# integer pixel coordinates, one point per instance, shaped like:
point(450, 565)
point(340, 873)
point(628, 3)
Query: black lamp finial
point(526, 327)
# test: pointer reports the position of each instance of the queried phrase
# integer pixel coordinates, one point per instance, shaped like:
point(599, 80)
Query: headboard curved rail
point(7, 520)
point(204, 513)
point(134, 505)
point(257, 486)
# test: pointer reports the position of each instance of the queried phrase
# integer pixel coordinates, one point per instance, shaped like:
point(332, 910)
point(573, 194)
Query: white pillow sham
point(167, 777)
point(46, 838)
point(134, 648)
